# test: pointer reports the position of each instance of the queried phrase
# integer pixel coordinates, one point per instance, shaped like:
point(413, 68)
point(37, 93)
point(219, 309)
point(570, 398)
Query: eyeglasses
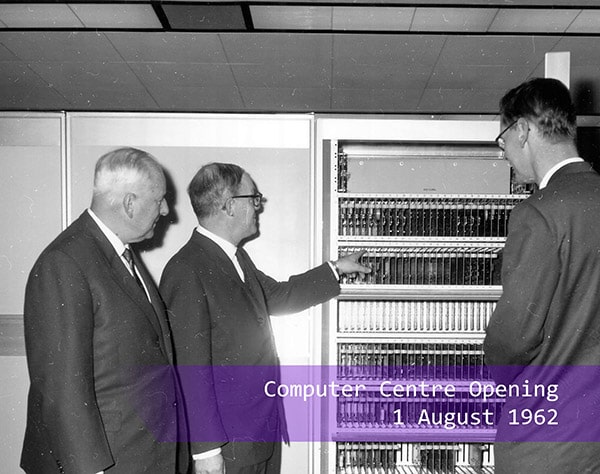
point(499, 140)
point(257, 199)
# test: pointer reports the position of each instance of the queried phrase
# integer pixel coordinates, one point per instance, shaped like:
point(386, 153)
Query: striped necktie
point(128, 256)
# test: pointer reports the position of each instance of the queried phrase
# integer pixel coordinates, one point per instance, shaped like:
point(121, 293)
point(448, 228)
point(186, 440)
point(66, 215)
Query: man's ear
point(523, 131)
point(228, 207)
point(129, 204)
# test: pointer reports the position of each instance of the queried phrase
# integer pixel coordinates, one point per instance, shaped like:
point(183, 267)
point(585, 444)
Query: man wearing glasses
point(545, 330)
point(219, 305)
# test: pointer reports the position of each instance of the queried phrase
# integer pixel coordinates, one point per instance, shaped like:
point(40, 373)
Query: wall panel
point(275, 150)
point(31, 158)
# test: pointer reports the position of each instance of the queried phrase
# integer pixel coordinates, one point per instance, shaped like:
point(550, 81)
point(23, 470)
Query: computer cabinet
point(429, 202)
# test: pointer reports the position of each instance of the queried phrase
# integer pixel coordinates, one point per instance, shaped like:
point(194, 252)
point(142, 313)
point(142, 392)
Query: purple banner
point(446, 403)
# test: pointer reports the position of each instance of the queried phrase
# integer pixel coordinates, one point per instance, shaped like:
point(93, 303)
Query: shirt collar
point(555, 168)
point(118, 245)
point(227, 246)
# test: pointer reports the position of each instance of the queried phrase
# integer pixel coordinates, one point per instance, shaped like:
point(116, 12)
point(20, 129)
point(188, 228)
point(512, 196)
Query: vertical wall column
point(31, 163)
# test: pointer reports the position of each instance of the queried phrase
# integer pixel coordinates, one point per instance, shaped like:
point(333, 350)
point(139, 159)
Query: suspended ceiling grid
point(335, 57)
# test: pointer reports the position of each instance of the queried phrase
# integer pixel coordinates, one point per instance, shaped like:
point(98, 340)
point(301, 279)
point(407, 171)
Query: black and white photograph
point(300, 237)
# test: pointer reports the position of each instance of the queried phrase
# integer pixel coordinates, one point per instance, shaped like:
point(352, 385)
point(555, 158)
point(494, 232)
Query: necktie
point(128, 256)
point(251, 282)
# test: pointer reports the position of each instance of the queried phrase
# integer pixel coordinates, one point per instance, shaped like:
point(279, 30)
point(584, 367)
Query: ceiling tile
point(372, 18)
point(265, 48)
point(197, 99)
point(169, 47)
point(460, 76)
point(184, 74)
point(386, 49)
point(204, 17)
point(5, 54)
point(460, 100)
point(24, 89)
point(285, 99)
point(113, 98)
point(18, 73)
point(355, 76)
point(291, 17)
point(59, 46)
point(282, 75)
point(584, 50)
point(38, 15)
point(588, 21)
point(116, 15)
point(539, 70)
point(85, 75)
point(22, 96)
point(101, 86)
point(496, 50)
point(531, 20)
point(453, 19)
point(375, 100)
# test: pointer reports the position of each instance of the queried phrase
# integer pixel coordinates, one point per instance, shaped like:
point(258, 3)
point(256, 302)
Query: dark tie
point(255, 289)
point(128, 255)
point(251, 282)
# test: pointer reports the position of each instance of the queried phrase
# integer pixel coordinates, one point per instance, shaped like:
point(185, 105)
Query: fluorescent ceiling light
point(38, 15)
point(588, 21)
point(291, 17)
point(453, 19)
point(533, 20)
point(375, 19)
point(116, 15)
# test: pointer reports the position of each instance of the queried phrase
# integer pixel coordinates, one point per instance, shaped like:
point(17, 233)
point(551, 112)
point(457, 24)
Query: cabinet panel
point(432, 217)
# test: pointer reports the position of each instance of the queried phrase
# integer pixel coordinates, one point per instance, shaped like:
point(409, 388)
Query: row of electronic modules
point(425, 217)
point(427, 265)
point(443, 360)
point(414, 458)
point(366, 316)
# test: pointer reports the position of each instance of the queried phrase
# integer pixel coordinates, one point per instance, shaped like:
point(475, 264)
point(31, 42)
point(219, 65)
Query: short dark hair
point(547, 103)
point(212, 185)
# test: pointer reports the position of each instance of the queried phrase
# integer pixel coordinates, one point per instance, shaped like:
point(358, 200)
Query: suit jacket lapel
point(157, 304)
point(216, 253)
point(125, 280)
point(251, 287)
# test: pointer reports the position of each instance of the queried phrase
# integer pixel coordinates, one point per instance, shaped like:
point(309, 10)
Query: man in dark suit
point(103, 394)
point(546, 326)
point(219, 305)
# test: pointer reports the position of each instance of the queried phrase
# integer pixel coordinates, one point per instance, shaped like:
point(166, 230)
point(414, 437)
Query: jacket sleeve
point(301, 291)
point(530, 270)
point(189, 317)
point(59, 325)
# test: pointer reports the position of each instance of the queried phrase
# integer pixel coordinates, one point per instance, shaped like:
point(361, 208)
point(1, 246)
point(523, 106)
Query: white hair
point(123, 168)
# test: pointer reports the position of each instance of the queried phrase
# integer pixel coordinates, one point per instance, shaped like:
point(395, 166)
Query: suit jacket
point(99, 354)
point(219, 321)
point(549, 313)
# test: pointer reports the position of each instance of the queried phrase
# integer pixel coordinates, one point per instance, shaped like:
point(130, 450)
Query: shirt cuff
point(207, 454)
point(334, 269)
